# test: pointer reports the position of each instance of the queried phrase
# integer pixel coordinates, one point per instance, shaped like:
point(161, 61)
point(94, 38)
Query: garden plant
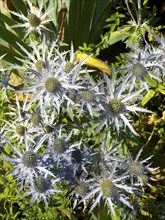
point(82, 118)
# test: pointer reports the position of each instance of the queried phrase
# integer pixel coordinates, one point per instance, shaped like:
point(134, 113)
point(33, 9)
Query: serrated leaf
point(147, 97)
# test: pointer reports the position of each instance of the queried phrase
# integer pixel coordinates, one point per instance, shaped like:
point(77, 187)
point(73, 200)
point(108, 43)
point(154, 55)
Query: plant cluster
point(64, 130)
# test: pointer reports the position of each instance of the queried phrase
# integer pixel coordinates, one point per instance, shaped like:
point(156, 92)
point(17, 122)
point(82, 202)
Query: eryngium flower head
point(117, 105)
point(139, 169)
point(35, 20)
point(79, 189)
point(50, 85)
point(110, 188)
point(59, 147)
point(27, 163)
point(80, 158)
point(18, 126)
point(35, 58)
point(141, 66)
point(41, 188)
point(89, 97)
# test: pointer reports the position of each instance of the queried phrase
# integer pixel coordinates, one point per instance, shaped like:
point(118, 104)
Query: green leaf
point(161, 89)
point(147, 97)
point(20, 6)
point(12, 40)
point(10, 55)
point(103, 213)
point(86, 21)
point(72, 217)
point(116, 36)
point(9, 21)
point(101, 12)
point(151, 82)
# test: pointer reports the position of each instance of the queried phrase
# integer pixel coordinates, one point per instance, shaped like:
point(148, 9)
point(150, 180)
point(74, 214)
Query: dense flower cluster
point(47, 150)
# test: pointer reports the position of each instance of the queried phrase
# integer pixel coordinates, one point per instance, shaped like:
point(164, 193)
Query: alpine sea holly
point(74, 127)
point(27, 163)
point(109, 187)
point(139, 170)
point(18, 126)
point(41, 188)
point(35, 20)
point(89, 97)
point(36, 58)
point(140, 66)
point(117, 103)
point(51, 85)
point(79, 189)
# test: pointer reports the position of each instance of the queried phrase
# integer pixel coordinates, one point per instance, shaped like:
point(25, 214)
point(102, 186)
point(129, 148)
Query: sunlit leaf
point(10, 54)
point(90, 61)
point(15, 80)
point(65, 212)
point(147, 97)
point(12, 39)
point(151, 82)
point(161, 89)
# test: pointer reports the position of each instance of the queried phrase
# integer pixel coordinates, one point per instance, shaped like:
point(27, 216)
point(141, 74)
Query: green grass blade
point(9, 21)
point(10, 55)
point(101, 12)
point(12, 39)
point(86, 20)
point(20, 6)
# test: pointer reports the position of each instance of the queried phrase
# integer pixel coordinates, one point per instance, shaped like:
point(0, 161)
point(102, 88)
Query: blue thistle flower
point(117, 106)
point(140, 66)
point(139, 169)
point(110, 188)
point(50, 85)
point(41, 188)
point(35, 20)
point(27, 163)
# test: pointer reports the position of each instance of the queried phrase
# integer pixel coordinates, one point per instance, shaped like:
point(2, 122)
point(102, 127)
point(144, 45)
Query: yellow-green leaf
point(148, 96)
point(15, 80)
point(161, 89)
point(90, 61)
point(151, 82)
